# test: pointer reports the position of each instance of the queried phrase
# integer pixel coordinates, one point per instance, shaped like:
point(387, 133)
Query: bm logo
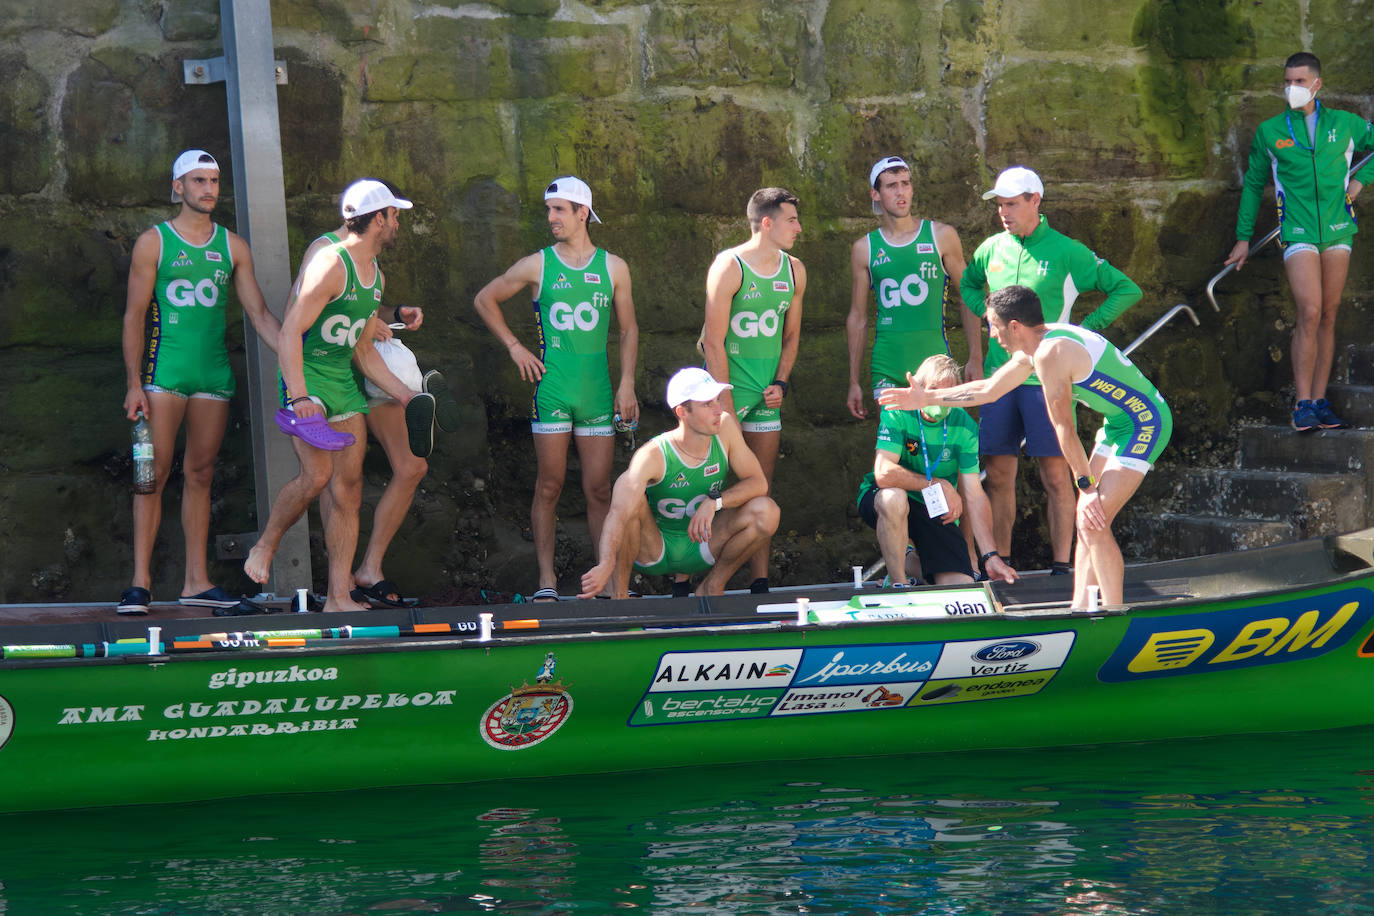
point(1264, 634)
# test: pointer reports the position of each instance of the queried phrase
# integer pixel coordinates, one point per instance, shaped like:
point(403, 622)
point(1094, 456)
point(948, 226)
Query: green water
point(1248, 825)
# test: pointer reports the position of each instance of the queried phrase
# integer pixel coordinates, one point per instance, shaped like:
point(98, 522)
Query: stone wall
point(1137, 114)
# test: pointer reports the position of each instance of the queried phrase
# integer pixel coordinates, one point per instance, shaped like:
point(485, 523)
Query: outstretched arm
point(970, 394)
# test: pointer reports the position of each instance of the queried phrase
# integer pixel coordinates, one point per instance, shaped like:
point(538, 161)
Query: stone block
point(310, 118)
point(1051, 117)
point(881, 47)
point(430, 149)
point(527, 57)
point(762, 45)
point(26, 148)
point(190, 20)
point(1082, 26)
point(1337, 30)
point(1198, 229)
point(82, 17)
point(319, 17)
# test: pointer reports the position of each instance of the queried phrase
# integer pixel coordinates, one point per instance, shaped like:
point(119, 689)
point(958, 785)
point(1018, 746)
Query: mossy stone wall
point(1137, 113)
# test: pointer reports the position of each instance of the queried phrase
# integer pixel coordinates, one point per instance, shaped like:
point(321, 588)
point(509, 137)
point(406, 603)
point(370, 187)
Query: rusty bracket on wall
point(212, 70)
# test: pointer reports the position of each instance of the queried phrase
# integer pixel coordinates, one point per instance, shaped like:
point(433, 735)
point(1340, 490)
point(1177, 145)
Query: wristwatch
point(1085, 482)
point(720, 503)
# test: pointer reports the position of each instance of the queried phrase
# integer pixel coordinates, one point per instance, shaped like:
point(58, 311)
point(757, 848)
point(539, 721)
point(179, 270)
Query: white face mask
point(1297, 96)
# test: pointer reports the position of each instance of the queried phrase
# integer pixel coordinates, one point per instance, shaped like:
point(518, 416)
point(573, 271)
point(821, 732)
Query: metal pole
point(260, 197)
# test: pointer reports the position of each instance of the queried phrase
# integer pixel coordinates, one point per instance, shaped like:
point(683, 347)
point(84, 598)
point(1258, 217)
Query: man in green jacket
point(1057, 268)
point(1308, 150)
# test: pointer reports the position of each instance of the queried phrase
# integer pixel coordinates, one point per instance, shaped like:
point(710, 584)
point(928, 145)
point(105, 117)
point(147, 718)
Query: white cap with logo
point(693, 384)
point(367, 195)
point(882, 165)
point(573, 190)
point(1016, 181)
point(189, 161)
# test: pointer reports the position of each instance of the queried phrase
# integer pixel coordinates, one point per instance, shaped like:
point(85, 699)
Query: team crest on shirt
point(711, 470)
point(376, 295)
point(753, 292)
point(781, 286)
point(562, 282)
point(678, 482)
point(591, 278)
point(881, 258)
point(183, 260)
point(214, 256)
point(925, 248)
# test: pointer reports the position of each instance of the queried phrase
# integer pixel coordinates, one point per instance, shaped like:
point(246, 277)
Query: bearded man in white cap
point(177, 368)
point(576, 286)
point(334, 306)
point(671, 513)
point(911, 265)
point(1029, 253)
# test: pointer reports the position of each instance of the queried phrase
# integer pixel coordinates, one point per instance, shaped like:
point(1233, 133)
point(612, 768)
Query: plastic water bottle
point(145, 475)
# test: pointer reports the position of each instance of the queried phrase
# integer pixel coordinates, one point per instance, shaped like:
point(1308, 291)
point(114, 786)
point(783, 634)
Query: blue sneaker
point(1326, 417)
point(1305, 417)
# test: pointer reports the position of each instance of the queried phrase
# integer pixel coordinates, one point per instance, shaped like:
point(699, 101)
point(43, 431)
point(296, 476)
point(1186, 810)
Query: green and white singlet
point(185, 352)
point(911, 286)
point(572, 309)
point(327, 347)
point(753, 341)
point(674, 499)
point(1138, 421)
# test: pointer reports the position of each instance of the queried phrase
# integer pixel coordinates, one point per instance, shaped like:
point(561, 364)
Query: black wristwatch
point(1085, 482)
point(983, 561)
point(781, 384)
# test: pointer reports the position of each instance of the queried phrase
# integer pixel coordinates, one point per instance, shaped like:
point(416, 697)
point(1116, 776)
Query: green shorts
point(211, 378)
point(753, 415)
point(574, 396)
point(333, 387)
point(1136, 442)
point(680, 554)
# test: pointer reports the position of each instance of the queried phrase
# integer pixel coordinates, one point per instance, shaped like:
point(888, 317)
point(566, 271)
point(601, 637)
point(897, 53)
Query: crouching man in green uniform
point(1074, 364)
point(671, 512)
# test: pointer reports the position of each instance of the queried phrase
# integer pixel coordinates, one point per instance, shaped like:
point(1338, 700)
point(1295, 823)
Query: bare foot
point(259, 563)
point(348, 604)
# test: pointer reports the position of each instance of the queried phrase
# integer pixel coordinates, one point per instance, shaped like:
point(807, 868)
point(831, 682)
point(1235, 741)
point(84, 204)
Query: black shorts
point(941, 547)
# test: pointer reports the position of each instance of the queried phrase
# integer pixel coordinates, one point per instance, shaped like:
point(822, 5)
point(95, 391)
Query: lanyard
point(944, 437)
point(1288, 116)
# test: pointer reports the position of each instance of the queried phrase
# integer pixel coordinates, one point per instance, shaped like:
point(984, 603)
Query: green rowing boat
point(107, 711)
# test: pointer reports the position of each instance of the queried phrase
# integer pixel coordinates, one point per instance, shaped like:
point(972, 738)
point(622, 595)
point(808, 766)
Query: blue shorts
point(1018, 414)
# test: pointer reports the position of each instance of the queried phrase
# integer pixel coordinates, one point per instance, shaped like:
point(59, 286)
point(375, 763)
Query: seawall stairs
point(1281, 486)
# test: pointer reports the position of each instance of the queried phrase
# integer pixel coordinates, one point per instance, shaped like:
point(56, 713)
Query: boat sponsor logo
point(530, 713)
point(720, 670)
point(6, 721)
point(851, 698)
point(866, 664)
point(704, 706)
point(1000, 657)
point(964, 690)
point(295, 674)
point(1243, 637)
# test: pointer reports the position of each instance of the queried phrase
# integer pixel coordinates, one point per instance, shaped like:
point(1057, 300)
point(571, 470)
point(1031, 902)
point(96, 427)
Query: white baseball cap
point(574, 190)
point(189, 161)
point(367, 195)
point(882, 165)
point(693, 384)
point(1016, 181)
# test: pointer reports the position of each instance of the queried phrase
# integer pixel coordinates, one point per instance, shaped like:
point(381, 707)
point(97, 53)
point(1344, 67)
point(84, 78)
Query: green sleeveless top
point(1114, 388)
point(674, 499)
point(753, 342)
point(911, 286)
point(330, 341)
point(572, 306)
point(190, 293)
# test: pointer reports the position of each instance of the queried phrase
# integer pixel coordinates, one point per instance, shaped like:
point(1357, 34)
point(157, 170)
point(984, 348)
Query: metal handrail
point(1150, 331)
point(1254, 249)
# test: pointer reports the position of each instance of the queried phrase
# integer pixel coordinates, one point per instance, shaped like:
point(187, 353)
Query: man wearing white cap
point(180, 371)
point(911, 265)
point(575, 286)
point(1057, 268)
point(671, 512)
point(333, 307)
point(753, 328)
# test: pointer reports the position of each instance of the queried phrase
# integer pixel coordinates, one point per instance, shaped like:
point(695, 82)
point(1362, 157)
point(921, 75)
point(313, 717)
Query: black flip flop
point(445, 407)
point(381, 594)
point(420, 424)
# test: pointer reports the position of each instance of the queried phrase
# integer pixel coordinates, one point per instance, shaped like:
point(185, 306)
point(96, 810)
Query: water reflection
point(1237, 825)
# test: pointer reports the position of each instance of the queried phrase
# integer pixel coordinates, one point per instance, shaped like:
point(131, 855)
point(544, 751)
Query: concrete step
point(1329, 450)
point(1353, 403)
point(1171, 535)
point(1315, 504)
point(1357, 365)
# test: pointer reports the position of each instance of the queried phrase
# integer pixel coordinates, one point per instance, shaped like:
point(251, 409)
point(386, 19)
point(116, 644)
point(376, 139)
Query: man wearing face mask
point(1308, 150)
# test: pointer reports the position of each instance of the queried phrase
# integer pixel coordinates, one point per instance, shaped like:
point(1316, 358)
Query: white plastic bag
point(401, 361)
